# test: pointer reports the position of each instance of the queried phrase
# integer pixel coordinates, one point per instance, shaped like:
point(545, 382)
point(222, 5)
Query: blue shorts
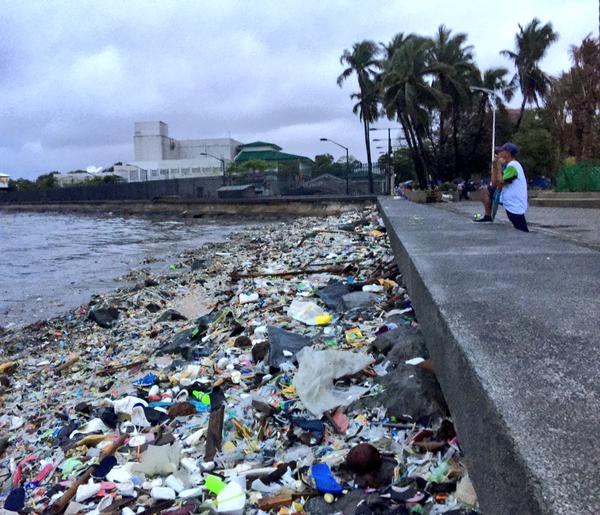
point(518, 221)
point(492, 190)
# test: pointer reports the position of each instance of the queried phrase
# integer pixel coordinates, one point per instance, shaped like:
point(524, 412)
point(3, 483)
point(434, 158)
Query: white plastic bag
point(316, 372)
point(308, 313)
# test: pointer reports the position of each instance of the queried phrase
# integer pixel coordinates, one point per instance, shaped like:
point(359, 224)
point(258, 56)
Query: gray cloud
point(75, 76)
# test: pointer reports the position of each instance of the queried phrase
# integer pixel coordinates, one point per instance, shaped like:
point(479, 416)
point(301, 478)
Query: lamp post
point(218, 159)
point(390, 167)
point(347, 162)
point(491, 96)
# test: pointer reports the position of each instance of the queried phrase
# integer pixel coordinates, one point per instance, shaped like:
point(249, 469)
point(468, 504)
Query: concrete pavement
point(512, 322)
point(579, 225)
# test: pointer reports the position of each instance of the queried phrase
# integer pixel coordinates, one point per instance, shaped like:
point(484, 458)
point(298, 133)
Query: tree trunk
point(368, 144)
point(412, 147)
point(441, 144)
point(455, 139)
point(521, 113)
point(423, 153)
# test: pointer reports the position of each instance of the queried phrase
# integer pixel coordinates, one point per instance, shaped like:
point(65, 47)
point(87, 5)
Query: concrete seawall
point(305, 206)
point(512, 322)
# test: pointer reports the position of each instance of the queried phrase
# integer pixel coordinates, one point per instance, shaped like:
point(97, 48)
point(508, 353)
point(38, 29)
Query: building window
point(164, 173)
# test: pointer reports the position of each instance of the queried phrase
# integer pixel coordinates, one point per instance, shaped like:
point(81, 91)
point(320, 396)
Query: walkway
point(512, 321)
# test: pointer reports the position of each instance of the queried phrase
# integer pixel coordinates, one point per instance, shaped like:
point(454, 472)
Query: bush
point(447, 186)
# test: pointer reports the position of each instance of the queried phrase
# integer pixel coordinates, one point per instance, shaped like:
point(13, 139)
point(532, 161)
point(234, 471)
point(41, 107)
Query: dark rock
point(104, 316)
point(410, 345)
point(198, 264)
point(242, 342)
point(358, 300)
point(4, 381)
point(407, 339)
point(363, 458)
point(259, 351)
point(153, 307)
point(108, 416)
point(83, 407)
point(187, 344)
point(379, 477)
point(345, 504)
point(170, 315)
point(333, 293)
point(263, 407)
point(280, 340)
point(408, 390)
point(149, 282)
point(353, 225)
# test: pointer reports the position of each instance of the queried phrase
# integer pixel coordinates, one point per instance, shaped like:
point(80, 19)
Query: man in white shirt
point(509, 177)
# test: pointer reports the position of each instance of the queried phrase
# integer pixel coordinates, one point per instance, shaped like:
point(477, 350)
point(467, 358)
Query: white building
point(4, 181)
point(67, 179)
point(158, 156)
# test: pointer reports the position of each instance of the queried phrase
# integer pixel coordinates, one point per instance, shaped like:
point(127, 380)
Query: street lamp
point(218, 158)
point(347, 162)
point(491, 96)
point(388, 129)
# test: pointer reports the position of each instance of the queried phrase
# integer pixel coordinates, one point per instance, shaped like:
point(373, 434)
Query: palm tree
point(410, 97)
point(362, 61)
point(455, 74)
point(531, 44)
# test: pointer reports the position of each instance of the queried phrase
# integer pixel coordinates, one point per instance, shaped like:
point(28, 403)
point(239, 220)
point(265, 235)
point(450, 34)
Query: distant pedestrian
point(508, 177)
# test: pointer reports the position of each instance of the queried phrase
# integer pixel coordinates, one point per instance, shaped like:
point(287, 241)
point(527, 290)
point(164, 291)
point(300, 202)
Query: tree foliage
point(531, 44)
point(362, 61)
point(429, 85)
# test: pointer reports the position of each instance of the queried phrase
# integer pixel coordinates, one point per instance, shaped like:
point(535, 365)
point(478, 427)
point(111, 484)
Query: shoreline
point(208, 322)
point(146, 242)
point(258, 206)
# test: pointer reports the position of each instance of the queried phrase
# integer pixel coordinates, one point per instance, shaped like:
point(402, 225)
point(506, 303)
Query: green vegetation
point(426, 85)
point(252, 165)
point(48, 180)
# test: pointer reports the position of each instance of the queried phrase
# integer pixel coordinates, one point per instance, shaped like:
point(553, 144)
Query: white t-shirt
point(514, 191)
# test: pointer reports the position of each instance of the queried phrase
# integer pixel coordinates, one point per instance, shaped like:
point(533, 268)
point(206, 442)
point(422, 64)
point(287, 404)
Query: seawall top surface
point(512, 320)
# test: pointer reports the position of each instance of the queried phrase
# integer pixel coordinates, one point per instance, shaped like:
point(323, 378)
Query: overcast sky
point(76, 75)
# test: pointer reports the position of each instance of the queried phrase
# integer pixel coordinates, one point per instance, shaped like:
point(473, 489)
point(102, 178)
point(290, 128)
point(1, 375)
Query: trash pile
point(280, 372)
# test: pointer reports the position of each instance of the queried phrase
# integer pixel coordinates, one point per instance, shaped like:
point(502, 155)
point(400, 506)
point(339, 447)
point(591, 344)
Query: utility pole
point(491, 96)
point(347, 162)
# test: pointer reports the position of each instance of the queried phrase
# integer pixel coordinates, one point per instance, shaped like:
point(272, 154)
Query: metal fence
point(196, 188)
point(288, 180)
point(293, 179)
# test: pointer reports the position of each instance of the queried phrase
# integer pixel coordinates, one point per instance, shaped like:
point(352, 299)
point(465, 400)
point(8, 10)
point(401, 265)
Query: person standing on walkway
point(508, 177)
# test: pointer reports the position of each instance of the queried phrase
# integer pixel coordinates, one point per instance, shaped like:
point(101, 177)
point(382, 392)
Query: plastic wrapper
point(316, 373)
point(308, 313)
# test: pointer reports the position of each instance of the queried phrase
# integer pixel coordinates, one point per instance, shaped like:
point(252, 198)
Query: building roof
point(267, 155)
point(260, 144)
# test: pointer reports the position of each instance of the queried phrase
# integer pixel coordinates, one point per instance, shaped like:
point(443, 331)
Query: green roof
point(268, 155)
point(260, 144)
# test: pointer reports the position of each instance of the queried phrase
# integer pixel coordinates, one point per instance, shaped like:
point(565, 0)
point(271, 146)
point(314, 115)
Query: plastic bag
point(316, 372)
point(308, 313)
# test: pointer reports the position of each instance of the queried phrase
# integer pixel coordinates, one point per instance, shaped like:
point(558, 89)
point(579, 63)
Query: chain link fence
point(298, 179)
point(584, 176)
point(288, 179)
